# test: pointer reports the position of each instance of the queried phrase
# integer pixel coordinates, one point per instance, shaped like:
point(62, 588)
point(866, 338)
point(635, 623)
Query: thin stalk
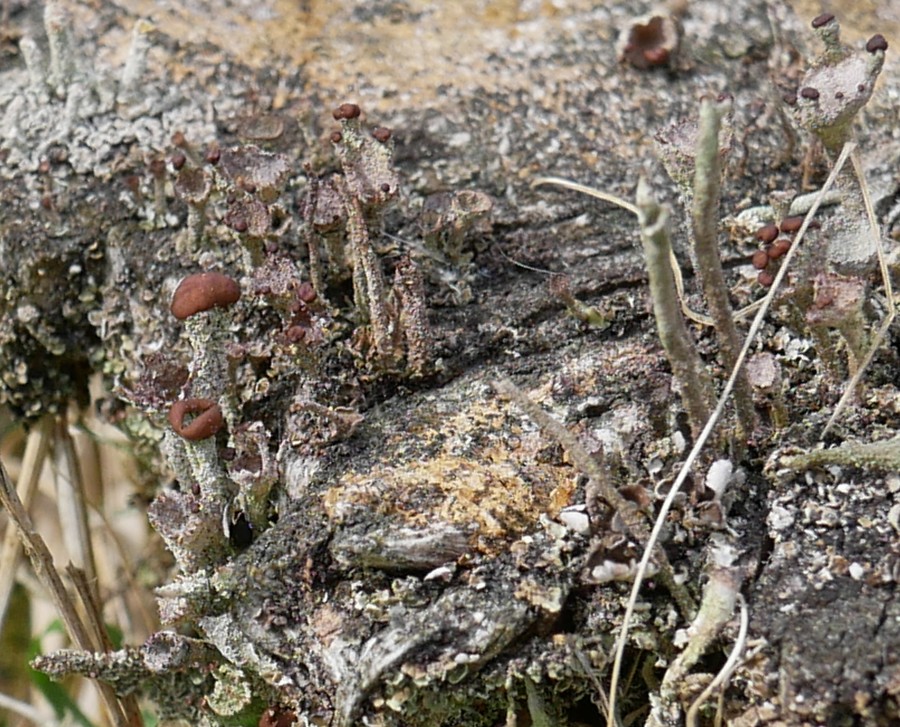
point(687, 367)
point(93, 611)
point(628, 207)
point(727, 669)
point(42, 563)
point(705, 222)
point(590, 191)
point(72, 502)
point(148, 619)
point(368, 280)
point(888, 292)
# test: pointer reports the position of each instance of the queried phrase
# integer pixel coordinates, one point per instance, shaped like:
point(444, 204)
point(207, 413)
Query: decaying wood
point(422, 554)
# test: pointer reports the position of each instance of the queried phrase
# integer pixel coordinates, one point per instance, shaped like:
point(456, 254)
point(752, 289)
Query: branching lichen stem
point(367, 273)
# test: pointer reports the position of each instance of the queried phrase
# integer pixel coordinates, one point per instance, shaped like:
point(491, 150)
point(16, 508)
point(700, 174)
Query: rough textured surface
point(421, 569)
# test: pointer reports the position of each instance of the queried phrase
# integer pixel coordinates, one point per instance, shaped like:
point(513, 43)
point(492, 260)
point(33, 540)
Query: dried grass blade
point(36, 448)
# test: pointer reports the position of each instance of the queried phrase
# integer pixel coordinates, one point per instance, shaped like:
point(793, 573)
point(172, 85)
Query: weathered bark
point(423, 570)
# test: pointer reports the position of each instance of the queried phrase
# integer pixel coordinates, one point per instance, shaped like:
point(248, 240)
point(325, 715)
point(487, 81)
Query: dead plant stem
point(36, 448)
point(42, 563)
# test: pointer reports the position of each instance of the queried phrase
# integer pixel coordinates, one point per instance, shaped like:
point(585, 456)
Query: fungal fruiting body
point(206, 422)
point(202, 292)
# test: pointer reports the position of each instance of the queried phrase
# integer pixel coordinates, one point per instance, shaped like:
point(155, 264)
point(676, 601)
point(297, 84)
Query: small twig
point(90, 607)
point(888, 291)
point(626, 205)
point(86, 594)
point(71, 501)
point(42, 564)
point(42, 561)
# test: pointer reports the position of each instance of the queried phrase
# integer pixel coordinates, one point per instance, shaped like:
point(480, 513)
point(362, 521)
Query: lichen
point(372, 537)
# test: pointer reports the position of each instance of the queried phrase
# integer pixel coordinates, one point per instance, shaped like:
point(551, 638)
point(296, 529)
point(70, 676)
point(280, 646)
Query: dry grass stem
point(700, 318)
point(71, 501)
point(888, 293)
point(36, 449)
point(590, 191)
point(94, 615)
point(727, 668)
point(146, 619)
point(45, 570)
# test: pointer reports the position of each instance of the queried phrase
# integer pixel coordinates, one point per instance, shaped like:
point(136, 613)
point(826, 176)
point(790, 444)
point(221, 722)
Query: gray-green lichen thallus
point(309, 307)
